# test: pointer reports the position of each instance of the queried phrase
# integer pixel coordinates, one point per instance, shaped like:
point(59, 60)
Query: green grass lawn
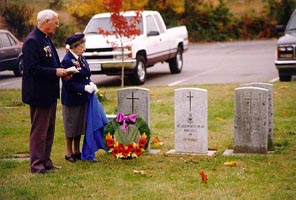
point(164, 176)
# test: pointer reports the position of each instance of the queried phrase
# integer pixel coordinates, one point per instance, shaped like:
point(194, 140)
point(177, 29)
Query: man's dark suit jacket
point(40, 85)
point(73, 89)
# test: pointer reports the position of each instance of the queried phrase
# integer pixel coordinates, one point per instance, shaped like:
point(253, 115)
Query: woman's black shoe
point(42, 171)
point(77, 156)
point(70, 158)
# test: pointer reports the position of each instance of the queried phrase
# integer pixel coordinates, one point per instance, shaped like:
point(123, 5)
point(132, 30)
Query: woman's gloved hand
point(89, 88)
point(95, 86)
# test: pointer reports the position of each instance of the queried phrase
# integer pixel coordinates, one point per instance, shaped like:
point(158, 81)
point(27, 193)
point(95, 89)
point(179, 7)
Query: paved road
point(236, 62)
point(227, 62)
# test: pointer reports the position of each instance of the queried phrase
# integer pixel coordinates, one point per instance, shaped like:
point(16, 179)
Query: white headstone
point(191, 121)
point(269, 87)
point(134, 101)
point(251, 120)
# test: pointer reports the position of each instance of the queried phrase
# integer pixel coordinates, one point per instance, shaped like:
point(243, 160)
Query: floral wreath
point(126, 137)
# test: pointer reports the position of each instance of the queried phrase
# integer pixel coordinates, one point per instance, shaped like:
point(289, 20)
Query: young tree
point(125, 29)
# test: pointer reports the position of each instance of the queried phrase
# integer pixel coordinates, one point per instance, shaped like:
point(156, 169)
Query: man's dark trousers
point(41, 136)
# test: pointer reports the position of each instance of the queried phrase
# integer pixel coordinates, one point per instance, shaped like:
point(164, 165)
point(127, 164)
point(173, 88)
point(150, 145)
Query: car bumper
point(285, 64)
point(96, 65)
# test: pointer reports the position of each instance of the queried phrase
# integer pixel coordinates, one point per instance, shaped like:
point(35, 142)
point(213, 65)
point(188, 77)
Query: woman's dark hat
point(74, 38)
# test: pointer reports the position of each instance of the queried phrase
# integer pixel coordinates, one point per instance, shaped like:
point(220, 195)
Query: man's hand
point(61, 72)
point(67, 77)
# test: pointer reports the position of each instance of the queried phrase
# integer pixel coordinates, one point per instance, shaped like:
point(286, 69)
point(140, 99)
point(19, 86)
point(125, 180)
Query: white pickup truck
point(156, 43)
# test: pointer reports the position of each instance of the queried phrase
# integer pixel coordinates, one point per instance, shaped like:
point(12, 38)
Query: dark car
point(10, 53)
point(286, 50)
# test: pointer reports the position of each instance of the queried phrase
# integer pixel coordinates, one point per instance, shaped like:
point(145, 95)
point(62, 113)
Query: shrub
point(17, 18)
point(210, 23)
point(59, 38)
point(55, 4)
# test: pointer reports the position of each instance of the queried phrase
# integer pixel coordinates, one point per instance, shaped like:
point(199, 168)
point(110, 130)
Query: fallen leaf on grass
point(231, 163)
point(156, 142)
point(220, 119)
point(138, 171)
point(284, 87)
point(204, 177)
point(285, 113)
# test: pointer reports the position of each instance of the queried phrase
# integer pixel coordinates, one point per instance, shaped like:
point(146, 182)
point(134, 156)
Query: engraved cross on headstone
point(132, 98)
point(190, 97)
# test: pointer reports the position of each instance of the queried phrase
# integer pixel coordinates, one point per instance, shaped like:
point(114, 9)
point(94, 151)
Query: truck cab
point(132, 57)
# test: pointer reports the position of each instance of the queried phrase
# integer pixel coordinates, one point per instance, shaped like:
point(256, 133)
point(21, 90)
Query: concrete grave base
point(19, 157)
point(210, 153)
point(15, 159)
point(153, 151)
point(229, 152)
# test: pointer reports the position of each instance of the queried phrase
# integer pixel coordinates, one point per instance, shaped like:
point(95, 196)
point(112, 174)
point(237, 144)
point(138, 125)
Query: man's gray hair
point(43, 15)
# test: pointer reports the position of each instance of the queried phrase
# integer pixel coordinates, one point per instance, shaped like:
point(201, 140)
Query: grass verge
point(164, 177)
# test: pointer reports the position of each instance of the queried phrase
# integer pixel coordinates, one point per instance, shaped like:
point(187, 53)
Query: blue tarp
point(96, 121)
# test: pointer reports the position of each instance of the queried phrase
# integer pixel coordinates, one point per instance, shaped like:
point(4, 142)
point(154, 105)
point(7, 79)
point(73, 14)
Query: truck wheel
point(284, 76)
point(176, 63)
point(20, 67)
point(140, 74)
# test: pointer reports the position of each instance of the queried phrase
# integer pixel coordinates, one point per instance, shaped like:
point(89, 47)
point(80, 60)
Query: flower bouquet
point(101, 95)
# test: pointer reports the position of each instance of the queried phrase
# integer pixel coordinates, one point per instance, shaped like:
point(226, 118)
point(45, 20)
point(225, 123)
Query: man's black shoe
point(42, 171)
point(53, 167)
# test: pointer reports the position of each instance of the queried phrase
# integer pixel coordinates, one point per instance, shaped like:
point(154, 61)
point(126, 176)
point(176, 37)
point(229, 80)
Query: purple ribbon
point(126, 120)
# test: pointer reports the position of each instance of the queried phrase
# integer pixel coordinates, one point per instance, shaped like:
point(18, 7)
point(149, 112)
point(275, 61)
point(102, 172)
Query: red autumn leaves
point(203, 176)
point(122, 26)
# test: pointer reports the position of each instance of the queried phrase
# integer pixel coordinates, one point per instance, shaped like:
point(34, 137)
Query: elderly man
point(40, 88)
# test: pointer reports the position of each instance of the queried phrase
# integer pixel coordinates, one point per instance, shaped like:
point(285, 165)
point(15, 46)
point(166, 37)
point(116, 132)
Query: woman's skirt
point(74, 118)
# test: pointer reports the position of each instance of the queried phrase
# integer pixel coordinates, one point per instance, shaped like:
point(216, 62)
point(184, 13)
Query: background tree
point(82, 11)
point(55, 4)
point(206, 20)
point(134, 4)
point(17, 18)
point(171, 11)
point(281, 9)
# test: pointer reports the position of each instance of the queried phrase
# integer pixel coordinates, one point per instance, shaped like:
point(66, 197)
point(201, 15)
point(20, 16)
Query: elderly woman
point(75, 95)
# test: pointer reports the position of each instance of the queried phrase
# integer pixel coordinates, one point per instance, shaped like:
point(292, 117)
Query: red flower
point(138, 151)
point(115, 151)
point(130, 147)
point(120, 146)
point(110, 143)
point(109, 140)
point(125, 152)
point(142, 142)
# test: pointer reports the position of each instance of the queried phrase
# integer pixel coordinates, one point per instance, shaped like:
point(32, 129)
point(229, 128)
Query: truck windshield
point(105, 24)
point(292, 23)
